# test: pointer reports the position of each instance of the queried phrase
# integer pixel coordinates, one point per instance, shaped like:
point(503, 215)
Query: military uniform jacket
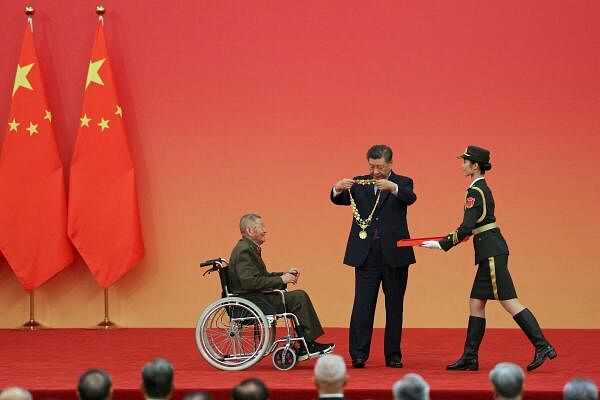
point(247, 271)
point(478, 211)
point(389, 221)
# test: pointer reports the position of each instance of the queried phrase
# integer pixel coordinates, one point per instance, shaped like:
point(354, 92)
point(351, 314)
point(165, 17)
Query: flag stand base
point(106, 324)
point(32, 324)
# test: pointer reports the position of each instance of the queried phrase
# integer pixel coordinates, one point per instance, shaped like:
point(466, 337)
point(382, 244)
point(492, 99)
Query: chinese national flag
point(33, 207)
point(104, 222)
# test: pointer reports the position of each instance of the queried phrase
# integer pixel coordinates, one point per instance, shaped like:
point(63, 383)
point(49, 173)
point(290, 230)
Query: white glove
point(431, 244)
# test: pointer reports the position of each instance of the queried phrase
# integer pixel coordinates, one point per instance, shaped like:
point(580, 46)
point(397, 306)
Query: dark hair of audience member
point(250, 389)
point(198, 395)
point(94, 384)
point(157, 379)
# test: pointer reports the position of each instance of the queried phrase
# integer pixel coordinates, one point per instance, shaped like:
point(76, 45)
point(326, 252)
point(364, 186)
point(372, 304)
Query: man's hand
point(295, 271)
point(289, 278)
point(344, 184)
point(384, 184)
point(431, 244)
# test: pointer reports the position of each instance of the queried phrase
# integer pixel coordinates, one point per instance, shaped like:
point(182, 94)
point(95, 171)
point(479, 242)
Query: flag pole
point(106, 323)
point(32, 324)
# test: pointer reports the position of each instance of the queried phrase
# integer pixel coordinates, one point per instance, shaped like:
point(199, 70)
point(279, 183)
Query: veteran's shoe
point(314, 349)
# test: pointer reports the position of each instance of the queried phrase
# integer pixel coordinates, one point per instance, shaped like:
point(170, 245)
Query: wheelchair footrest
point(302, 355)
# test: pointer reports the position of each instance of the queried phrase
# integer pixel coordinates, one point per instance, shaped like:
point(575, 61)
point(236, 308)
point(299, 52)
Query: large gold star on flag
point(21, 78)
point(94, 74)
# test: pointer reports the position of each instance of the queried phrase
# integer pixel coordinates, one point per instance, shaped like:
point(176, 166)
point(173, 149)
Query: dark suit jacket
point(247, 271)
point(389, 220)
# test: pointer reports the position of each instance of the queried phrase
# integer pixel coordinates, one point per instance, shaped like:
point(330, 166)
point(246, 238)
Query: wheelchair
point(233, 333)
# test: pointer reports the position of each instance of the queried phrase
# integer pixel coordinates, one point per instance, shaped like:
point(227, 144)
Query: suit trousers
point(298, 303)
point(368, 278)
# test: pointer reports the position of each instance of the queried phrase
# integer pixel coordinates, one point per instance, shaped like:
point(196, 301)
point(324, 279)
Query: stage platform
point(49, 363)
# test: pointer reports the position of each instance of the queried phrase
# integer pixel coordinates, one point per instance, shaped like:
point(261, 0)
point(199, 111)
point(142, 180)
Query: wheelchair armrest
point(273, 291)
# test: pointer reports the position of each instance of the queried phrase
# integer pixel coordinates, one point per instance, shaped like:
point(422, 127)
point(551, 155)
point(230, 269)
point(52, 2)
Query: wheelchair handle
point(212, 262)
point(215, 264)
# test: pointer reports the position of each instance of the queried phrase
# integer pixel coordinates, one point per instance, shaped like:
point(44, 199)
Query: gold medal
point(361, 222)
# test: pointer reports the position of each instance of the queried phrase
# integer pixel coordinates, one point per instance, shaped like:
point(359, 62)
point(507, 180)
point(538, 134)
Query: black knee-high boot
point(532, 329)
point(470, 360)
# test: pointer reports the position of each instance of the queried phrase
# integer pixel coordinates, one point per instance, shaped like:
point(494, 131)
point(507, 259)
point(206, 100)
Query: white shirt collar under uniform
point(475, 180)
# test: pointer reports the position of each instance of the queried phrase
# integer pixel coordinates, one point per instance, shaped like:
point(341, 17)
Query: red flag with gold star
point(104, 223)
point(33, 206)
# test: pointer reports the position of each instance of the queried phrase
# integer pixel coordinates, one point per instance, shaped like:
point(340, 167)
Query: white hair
point(330, 369)
point(15, 393)
point(580, 389)
point(507, 379)
point(411, 387)
point(247, 221)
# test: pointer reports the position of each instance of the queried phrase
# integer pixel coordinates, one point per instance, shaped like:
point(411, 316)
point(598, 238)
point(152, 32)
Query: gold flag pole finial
point(29, 11)
point(100, 10)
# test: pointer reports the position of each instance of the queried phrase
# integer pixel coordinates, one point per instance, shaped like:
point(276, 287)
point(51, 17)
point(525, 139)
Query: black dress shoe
point(393, 363)
point(358, 363)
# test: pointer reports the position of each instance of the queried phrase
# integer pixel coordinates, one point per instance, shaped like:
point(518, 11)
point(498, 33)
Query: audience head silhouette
point(250, 389)
point(157, 379)
point(580, 389)
point(94, 384)
point(15, 393)
point(330, 374)
point(411, 387)
point(507, 381)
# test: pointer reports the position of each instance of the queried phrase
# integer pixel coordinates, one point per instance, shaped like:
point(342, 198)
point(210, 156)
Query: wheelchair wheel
point(232, 334)
point(284, 358)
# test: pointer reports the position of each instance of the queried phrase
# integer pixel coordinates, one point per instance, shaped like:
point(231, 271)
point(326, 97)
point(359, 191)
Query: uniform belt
point(484, 228)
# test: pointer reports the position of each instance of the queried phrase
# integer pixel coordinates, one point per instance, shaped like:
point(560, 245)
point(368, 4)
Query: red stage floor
point(49, 363)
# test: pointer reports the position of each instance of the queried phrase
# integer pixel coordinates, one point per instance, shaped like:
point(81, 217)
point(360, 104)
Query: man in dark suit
point(379, 202)
point(248, 277)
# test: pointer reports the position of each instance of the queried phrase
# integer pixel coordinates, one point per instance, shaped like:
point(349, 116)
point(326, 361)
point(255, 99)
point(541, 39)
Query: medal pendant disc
point(362, 234)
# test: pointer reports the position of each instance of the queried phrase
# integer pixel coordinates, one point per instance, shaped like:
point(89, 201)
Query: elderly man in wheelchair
point(235, 332)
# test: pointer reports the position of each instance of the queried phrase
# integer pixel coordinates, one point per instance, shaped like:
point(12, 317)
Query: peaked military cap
point(476, 154)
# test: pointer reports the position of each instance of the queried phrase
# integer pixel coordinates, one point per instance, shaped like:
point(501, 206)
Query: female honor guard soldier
point(492, 281)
